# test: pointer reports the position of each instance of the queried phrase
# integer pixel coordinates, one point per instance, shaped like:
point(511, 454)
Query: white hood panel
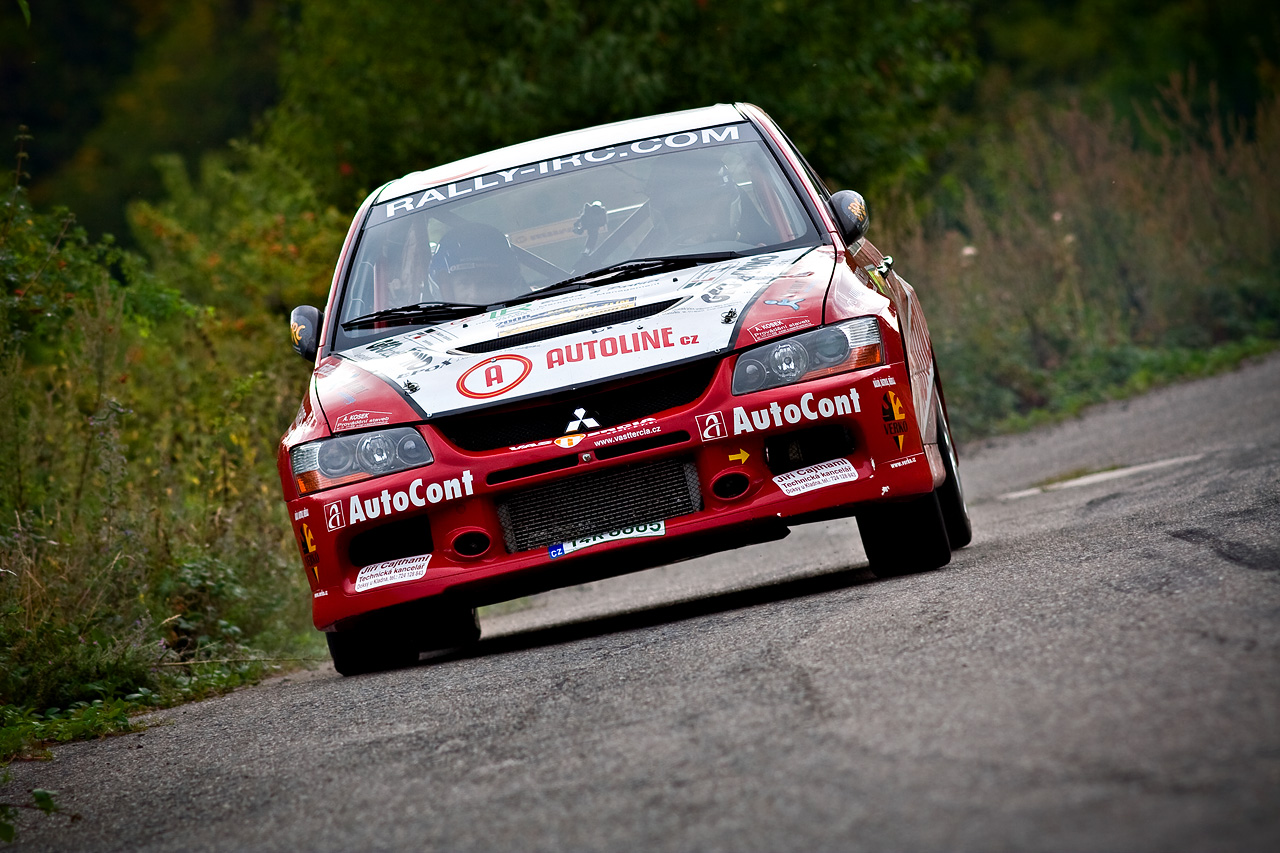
point(427, 366)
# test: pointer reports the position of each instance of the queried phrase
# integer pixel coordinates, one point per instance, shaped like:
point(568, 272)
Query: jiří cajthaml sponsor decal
point(339, 514)
point(636, 531)
point(817, 476)
point(393, 571)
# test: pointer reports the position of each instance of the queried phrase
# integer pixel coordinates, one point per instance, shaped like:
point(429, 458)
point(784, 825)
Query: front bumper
point(716, 473)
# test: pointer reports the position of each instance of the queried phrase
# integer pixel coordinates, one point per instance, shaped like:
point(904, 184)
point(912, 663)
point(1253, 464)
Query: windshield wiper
point(622, 271)
point(413, 313)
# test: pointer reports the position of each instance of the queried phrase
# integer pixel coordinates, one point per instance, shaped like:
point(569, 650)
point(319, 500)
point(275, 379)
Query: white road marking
point(1100, 477)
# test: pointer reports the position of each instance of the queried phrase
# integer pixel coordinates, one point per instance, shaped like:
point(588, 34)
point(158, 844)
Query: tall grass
point(1080, 259)
point(141, 534)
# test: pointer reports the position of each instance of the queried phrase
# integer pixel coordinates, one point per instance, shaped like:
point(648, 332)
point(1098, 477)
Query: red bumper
point(731, 451)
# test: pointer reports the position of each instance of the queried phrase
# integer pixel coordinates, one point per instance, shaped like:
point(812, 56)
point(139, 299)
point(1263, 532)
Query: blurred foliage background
point(1083, 192)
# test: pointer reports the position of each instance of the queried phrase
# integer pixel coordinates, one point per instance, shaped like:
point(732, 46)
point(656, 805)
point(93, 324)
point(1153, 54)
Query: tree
point(370, 91)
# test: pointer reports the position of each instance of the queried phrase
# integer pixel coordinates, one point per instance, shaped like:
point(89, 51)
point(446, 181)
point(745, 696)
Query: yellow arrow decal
point(741, 455)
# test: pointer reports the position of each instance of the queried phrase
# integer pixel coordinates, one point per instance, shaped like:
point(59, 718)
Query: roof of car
point(548, 147)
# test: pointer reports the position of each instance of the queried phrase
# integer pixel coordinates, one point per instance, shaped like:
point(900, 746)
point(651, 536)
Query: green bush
point(143, 548)
point(1079, 263)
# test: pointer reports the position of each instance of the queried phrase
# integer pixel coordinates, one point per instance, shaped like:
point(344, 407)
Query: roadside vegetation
point(1085, 257)
point(1066, 249)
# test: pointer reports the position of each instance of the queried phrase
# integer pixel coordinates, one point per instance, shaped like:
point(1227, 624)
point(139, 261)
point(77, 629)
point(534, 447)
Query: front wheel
point(955, 512)
point(356, 652)
point(905, 537)
point(393, 638)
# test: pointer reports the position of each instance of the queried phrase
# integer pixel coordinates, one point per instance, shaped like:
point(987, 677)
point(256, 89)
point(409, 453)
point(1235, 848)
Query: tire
point(955, 512)
point(906, 537)
point(448, 629)
point(393, 638)
point(356, 652)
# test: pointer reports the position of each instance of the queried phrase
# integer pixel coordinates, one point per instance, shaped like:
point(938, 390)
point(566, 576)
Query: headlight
point(840, 347)
point(351, 458)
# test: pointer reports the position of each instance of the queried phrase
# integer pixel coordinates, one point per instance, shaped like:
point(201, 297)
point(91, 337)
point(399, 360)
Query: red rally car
point(595, 353)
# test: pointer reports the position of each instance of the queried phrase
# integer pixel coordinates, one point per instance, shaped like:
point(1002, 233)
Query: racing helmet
point(475, 264)
point(693, 192)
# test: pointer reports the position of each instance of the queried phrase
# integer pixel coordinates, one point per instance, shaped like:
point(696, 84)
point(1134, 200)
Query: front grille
point(629, 315)
point(597, 503)
point(619, 402)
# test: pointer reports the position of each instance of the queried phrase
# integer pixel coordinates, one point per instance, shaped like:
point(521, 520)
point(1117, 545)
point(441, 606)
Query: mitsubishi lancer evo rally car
point(595, 353)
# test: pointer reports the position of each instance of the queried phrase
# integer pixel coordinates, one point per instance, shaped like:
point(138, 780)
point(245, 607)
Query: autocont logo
point(333, 516)
point(494, 376)
point(711, 426)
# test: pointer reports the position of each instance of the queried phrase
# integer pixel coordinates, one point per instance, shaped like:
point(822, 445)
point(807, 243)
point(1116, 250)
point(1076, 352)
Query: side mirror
point(850, 210)
point(304, 331)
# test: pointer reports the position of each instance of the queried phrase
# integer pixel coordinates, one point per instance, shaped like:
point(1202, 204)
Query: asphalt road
point(1100, 670)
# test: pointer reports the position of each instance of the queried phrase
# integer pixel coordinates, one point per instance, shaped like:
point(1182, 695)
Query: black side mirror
point(850, 211)
point(304, 330)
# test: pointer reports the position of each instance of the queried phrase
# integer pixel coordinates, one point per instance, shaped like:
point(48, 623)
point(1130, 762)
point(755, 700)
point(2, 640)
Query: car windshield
point(482, 240)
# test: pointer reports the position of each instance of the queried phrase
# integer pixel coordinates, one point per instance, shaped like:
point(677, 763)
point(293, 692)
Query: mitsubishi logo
point(581, 420)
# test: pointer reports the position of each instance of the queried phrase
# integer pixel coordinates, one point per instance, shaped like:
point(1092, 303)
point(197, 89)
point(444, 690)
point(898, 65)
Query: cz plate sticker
point(638, 531)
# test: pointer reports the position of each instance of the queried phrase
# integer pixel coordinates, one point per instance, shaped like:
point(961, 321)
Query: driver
point(693, 201)
point(475, 265)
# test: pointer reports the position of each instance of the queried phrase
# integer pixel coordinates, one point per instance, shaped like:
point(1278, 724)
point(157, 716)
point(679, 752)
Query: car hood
point(573, 340)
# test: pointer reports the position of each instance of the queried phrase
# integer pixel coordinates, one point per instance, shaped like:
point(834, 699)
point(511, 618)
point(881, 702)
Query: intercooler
point(597, 503)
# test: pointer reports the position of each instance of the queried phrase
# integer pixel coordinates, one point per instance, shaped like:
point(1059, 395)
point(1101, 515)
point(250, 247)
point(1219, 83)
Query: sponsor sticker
point(523, 318)
point(638, 531)
point(884, 383)
point(333, 517)
point(711, 426)
point(419, 494)
point(310, 558)
point(817, 476)
point(301, 514)
point(810, 408)
point(494, 376)
point(478, 184)
point(638, 432)
point(902, 463)
point(894, 416)
point(773, 328)
point(874, 274)
point(320, 593)
point(359, 420)
point(567, 441)
point(608, 346)
point(393, 571)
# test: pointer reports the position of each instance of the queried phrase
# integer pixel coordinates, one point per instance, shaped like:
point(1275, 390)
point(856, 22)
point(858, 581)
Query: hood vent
point(583, 325)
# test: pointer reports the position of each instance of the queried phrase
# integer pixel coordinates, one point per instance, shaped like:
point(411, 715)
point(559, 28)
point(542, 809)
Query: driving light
point(838, 348)
point(351, 458)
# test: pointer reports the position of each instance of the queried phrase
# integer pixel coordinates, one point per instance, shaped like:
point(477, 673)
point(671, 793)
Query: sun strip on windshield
point(709, 137)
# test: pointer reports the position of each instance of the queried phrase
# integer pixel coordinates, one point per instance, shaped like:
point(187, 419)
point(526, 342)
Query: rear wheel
point(905, 537)
point(393, 638)
point(955, 512)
